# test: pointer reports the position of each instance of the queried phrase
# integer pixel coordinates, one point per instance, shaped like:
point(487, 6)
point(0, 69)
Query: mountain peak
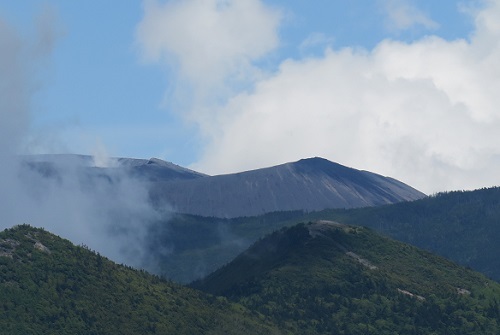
point(309, 184)
point(319, 164)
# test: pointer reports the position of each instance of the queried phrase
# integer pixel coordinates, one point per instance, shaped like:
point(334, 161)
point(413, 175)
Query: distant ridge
point(308, 184)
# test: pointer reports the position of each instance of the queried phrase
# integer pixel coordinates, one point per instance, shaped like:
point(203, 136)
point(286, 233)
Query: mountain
point(309, 184)
point(330, 278)
point(463, 226)
point(49, 286)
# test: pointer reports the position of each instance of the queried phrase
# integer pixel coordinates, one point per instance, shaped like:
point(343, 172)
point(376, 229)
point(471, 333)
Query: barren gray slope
point(153, 170)
point(309, 184)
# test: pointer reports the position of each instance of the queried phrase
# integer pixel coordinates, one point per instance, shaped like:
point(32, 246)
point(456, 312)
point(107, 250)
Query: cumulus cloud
point(210, 42)
point(423, 112)
point(402, 15)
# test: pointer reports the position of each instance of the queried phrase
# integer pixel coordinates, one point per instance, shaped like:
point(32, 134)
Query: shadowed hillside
point(330, 278)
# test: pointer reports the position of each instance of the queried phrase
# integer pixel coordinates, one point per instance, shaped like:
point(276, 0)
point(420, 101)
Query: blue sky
point(224, 86)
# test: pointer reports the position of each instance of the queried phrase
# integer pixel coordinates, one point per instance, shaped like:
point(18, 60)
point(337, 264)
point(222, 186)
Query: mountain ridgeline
point(152, 170)
point(330, 278)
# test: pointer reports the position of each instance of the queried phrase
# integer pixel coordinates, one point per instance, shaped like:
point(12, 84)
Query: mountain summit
point(308, 184)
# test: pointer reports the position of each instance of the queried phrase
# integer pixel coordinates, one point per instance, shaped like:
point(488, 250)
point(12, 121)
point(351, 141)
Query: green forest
point(333, 275)
point(461, 226)
point(314, 285)
point(49, 286)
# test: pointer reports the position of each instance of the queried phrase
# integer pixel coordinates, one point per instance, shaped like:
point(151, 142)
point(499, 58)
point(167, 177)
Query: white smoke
point(109, 211)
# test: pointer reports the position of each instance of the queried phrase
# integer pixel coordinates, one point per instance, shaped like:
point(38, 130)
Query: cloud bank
point(424, 112)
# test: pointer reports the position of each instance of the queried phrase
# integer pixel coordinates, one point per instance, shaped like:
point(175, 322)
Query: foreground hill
point(328, 278)
point(309, 185)
point(49, 286)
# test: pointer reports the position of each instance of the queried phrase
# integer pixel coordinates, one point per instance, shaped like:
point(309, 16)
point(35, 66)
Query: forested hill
point(329, 278)
point(49, 286)
point(463, 226)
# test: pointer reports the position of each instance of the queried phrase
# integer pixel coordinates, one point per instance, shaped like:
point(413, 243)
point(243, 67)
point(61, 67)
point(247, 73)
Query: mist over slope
point(151, 170)
point(106, 209)
point(124, 208)
point(101, 202)
point(309, 184)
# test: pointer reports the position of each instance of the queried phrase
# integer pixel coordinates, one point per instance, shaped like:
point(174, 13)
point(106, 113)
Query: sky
point(404, 88)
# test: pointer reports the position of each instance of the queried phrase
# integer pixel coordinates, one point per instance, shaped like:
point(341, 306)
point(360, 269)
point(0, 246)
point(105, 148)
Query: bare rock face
point(309, 185)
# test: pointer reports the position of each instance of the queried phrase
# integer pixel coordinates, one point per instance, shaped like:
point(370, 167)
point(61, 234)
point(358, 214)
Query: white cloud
point(402, 15)
point(209, 42)
point(424, 112)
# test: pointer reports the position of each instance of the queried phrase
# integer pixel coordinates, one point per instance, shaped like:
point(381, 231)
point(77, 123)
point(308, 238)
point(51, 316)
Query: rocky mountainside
point(152, 170)
point(309, 184)
point(330, 278)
